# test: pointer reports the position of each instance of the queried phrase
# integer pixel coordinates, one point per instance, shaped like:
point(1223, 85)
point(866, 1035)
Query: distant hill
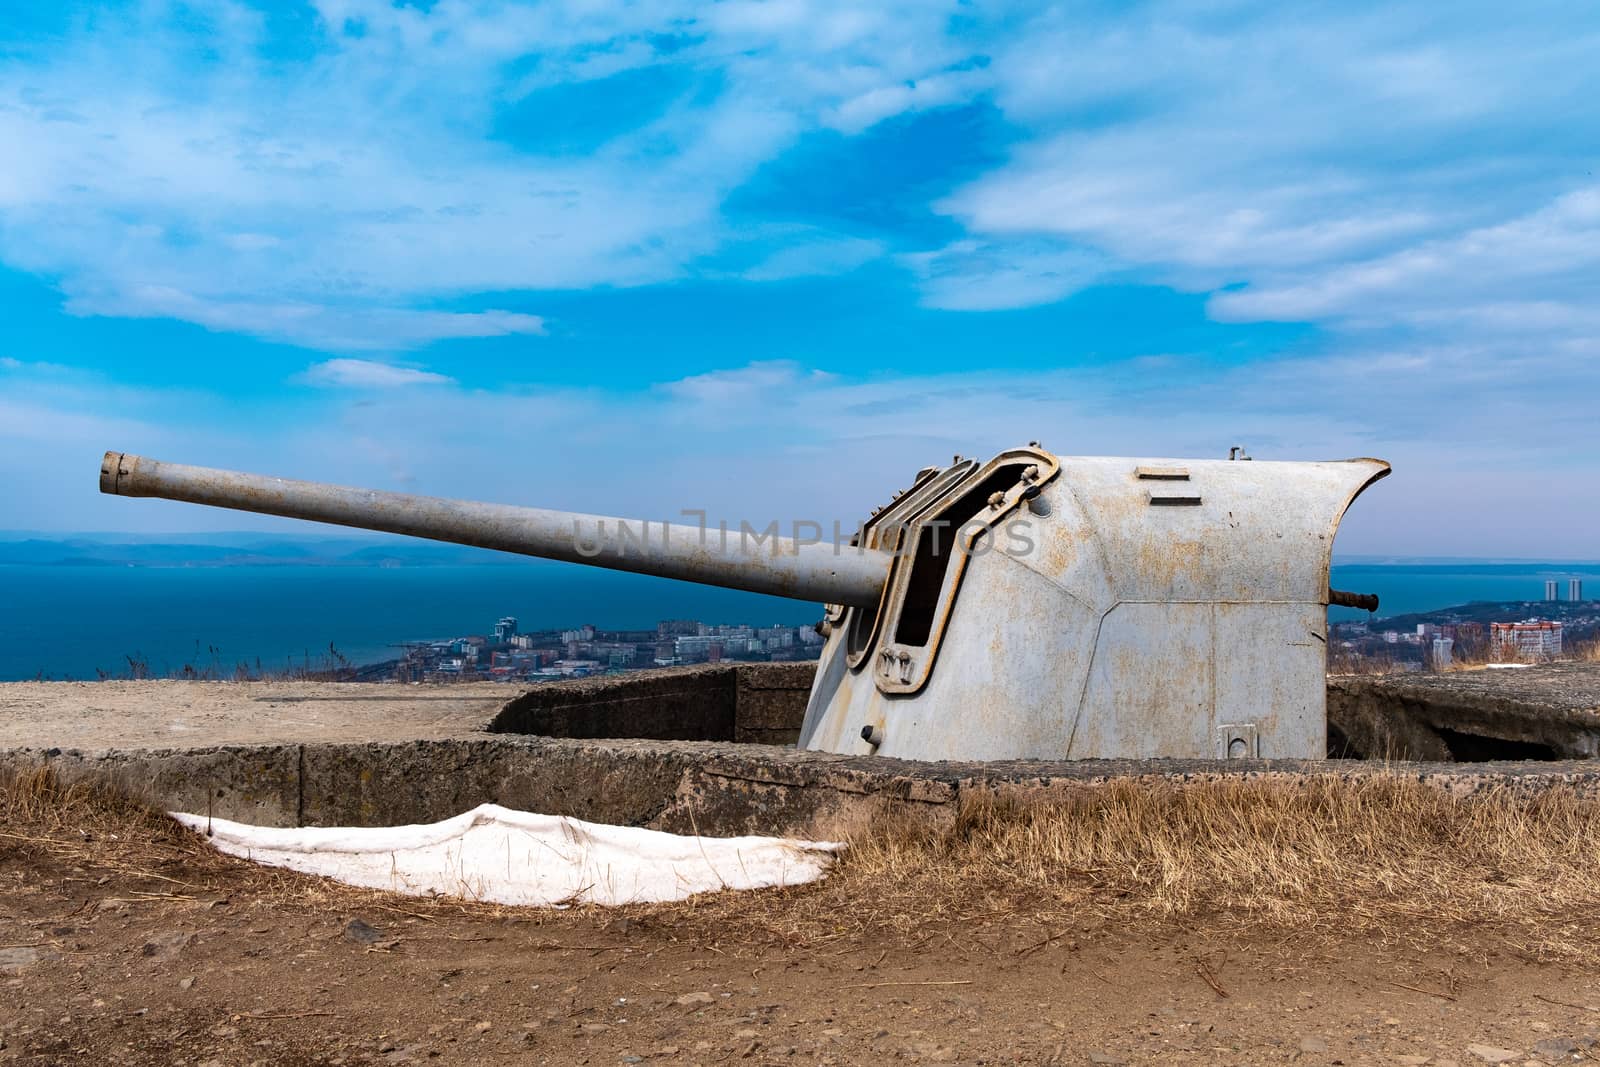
point(344, 552)
point(1487, 611)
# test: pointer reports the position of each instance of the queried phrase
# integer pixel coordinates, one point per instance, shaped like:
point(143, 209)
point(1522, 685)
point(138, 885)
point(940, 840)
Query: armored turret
point(1034, 606)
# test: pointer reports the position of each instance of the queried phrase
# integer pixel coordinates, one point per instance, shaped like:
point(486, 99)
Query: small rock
point(689, 999)
point(484, 1027)
point(666, 1050)
point(1096, 1056)
point(165, 946)
point(1556, 1047)
point(594, 1028)
point(1412, 1061)
point(1565, 1048)
point(186, 983)
point(1491, 1054)
point(743, 1035)
point(628, 1057)
point(14, 959)
point(1313, 1044)
point(362, 934)
point(1539, 1026)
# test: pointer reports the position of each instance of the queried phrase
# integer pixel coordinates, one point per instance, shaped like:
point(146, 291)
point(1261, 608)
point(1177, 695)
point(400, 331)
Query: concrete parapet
point(258, 784)
point(1536, 712)
point(341, 754)
point(684, 786)
point(748, 702)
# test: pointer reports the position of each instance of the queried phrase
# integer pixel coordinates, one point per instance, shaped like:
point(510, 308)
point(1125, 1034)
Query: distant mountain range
point(92, 551)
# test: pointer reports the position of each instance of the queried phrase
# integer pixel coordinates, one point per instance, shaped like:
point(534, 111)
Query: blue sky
point(769, 259)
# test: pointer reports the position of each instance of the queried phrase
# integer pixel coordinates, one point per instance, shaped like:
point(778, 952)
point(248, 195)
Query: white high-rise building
point(1574, 589)
point(1550, 589)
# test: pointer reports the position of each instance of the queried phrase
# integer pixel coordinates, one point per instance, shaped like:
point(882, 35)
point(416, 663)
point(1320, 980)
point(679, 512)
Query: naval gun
point(1034, 606)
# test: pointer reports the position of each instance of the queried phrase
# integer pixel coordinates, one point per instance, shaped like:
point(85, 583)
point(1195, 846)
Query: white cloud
point(1535, 272)
point(994, 275)
point(338, 328)
point(868, 108)
point(744, 393)
point(365, 374)
point(1268, 148)
point(1416, 181)
point(315, 200)
point(779, 440)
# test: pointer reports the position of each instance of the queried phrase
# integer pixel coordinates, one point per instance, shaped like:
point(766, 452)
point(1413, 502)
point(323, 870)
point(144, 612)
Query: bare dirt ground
point(142, 971)
point(127, 941)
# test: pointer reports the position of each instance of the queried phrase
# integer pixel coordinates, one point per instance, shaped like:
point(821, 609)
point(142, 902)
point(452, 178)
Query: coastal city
point(1561, 626)
point(508, 654)
point(1540, 631)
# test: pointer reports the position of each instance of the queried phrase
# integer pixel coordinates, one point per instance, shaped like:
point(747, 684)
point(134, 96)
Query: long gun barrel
point(758, 562)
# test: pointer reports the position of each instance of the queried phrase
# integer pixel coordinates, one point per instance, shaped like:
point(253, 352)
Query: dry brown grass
point(1344, 661)
point(95, 827)
point(82, 822)
point(1380, 855)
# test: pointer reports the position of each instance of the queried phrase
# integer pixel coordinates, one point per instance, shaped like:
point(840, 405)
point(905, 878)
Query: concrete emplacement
point(699, 749)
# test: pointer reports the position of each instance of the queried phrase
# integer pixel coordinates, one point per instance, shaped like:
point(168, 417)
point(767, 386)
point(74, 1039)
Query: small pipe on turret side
point(1339, 598)
point(778, 566)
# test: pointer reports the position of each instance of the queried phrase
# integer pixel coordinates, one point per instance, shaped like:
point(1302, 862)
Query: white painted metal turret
point(1035, 606)
point(1093, 608)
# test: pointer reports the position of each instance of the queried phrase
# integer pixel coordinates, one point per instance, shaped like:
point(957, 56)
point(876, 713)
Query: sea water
point(71, 621)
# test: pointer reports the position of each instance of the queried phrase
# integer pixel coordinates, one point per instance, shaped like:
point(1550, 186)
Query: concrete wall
point(1547, 712)
point(760, 703)
point(681, 786)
